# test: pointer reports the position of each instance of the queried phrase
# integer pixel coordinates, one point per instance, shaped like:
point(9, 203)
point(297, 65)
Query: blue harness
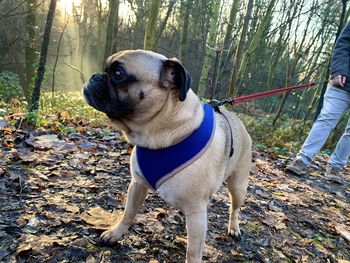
point(160, 164)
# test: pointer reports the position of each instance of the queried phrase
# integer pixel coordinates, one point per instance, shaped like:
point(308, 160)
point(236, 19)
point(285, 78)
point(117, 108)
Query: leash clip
point(215, 103)
point(218, 103)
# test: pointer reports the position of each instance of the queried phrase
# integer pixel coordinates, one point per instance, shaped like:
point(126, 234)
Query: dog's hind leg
point(237, 187)
point(137, 194)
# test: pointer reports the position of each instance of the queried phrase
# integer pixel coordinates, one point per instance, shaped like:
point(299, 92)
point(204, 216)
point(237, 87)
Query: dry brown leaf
point(160, 213)
point(43, 245)
point(44, 142)
point(150, 221)
point(72, 208)
point(181, 239)
point(280, 226)
point(99, 218)
point(342, 232)
point(275, 219)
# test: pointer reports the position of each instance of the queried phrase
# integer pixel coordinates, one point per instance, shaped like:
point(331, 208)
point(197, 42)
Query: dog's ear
point(174, 74)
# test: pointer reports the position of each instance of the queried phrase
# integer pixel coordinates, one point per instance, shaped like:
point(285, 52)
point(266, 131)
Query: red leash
point(270, 92)
point(250, 97)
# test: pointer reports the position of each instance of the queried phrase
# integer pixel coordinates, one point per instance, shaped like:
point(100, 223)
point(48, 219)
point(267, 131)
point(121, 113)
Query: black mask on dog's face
point(100, 93)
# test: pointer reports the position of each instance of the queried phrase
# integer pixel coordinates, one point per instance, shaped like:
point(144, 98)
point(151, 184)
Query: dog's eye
point(119, 75)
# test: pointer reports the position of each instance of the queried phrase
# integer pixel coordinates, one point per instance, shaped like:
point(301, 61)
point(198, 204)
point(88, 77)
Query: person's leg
point(336, 102)
point(340, 156)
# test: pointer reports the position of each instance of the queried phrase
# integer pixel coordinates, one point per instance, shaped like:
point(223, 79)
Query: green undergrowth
point(286, 136)
point(64, 113)
point(68, 112)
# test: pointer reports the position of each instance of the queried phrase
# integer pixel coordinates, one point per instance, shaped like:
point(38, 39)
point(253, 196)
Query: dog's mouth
point(113, 116)
point(114, 108)
point(93, 99)
point(87, 97)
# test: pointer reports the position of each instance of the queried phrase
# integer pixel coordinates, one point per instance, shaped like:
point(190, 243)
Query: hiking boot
point(297, 167)
point(333, 174)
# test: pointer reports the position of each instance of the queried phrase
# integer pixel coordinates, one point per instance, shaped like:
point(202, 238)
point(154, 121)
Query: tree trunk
point(312, 68)
point(227, 42)
point(100, 50)
point(165, 21)
point(30, 46)
point(239, 52)
point(184, 33)
point(150, 34)
point(56, 59)
point(265, 23)
point(283, 39)
point(42, 59)
point(291, 72)
point(112, 28)
point(210, 52)
point(15, 56)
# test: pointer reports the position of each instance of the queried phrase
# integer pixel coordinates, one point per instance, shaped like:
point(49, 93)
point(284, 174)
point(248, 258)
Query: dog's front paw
point(113, 234)
point(235, 233)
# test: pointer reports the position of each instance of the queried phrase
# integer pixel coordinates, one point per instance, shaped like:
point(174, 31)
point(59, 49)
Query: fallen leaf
point(8, 144)
point(280, 226)
point(72, 208)
point(43, 142)
point(3, 124)
point(43, 245)
point(160, 213)
point(343, 233)
point(181, 239)
point(262, 193)
point(100, 219)
point(86, 145)
point(150, 221)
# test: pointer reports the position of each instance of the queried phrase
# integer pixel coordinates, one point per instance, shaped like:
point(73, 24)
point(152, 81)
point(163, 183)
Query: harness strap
point(158, 165)
point(217, 109)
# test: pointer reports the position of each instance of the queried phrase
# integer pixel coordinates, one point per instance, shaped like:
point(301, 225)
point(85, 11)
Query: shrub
point(289, 134)
point(9, 86)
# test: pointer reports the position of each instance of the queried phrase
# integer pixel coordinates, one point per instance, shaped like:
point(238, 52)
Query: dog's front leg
point(137, 194)
point(196, 225)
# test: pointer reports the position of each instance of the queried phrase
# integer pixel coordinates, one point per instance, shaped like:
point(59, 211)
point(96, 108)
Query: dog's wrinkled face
point(136, 84)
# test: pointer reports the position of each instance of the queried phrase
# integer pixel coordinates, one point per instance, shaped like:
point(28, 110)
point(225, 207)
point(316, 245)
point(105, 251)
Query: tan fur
point(162, 120)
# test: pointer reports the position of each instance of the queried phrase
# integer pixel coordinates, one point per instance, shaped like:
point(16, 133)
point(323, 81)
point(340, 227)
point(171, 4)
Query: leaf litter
point(60, 192)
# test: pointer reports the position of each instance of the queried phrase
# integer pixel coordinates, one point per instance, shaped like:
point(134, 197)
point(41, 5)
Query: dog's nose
point(97, 76)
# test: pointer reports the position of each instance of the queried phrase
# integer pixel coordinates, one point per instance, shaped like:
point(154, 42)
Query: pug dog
point(148, 97)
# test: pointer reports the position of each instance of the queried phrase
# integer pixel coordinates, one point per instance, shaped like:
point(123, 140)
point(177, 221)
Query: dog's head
point(135, 82)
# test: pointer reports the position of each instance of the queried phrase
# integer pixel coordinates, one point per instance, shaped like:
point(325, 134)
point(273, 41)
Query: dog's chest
point(158, 165)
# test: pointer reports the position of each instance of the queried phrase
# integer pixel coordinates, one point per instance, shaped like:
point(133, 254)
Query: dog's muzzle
point(98, 93)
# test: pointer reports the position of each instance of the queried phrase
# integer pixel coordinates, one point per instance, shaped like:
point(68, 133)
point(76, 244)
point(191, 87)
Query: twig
point(56, 60)
point(16, 114)
point(12, 10)
point(12, 13)
point(19, 126)
point(21, 190)
point(76, 69)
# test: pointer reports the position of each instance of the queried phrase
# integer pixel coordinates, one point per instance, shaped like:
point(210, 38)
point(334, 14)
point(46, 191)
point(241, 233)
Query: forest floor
point(59, 192)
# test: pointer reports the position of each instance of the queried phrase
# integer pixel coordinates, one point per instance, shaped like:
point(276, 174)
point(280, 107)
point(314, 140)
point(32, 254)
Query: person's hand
point(339, 80)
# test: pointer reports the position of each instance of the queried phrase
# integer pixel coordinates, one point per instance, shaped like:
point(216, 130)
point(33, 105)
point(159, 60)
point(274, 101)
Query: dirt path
point(58, 193)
